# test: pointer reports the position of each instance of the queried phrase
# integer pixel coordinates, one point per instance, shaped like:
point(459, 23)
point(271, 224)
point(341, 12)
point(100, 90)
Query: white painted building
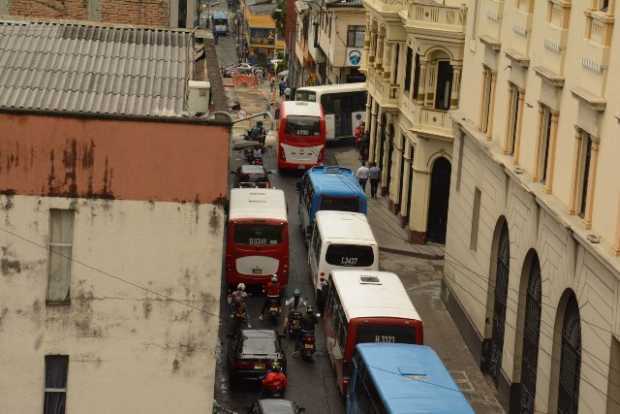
point(533, 244)
point(135, 311)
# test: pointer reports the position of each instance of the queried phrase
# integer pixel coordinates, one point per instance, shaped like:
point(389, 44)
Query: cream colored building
point(413, 59)
point(341, 39)
point(533, 246)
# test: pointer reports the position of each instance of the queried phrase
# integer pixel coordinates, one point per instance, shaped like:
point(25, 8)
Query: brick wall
point(142, 12)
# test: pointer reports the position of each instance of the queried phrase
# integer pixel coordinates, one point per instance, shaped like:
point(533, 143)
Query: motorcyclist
point(258, 132)
point(237, 298)
point(308, 322)
point(257, 153)
point(292, 304)
point(272, 293)
point(274, 380)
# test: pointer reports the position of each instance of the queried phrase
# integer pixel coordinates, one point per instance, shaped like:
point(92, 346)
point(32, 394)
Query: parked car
point(252, 352)
point(275, 406)
point(252, 176)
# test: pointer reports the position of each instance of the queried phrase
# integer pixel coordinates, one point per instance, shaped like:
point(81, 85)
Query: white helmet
point(241, 286)
point(274, 278)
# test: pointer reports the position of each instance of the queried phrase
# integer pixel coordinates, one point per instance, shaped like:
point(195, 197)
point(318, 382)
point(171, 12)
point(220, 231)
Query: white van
point(341, 240)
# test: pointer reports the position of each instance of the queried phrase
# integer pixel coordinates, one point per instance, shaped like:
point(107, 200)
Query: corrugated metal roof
point(112, 70)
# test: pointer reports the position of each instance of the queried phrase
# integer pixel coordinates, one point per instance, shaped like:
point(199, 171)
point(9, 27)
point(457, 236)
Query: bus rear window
point(306, 96)
point(349, 255)
point(303, 126)
point(256, 234)
point(340, 204)
point(386, 333)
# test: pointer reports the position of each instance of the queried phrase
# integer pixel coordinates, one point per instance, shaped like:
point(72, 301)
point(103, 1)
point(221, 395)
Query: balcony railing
point(436, 17)
point(386, 6)
point(436, 119)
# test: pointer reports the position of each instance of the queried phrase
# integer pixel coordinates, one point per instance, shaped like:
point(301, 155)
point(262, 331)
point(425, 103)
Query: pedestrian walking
point(362, 175)
point(282, 86)
point(272, 84)
point(373, 174)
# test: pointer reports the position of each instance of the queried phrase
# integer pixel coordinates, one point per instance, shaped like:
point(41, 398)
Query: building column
point(517, 143)
point(456, 87)
point(378, 132)
point(373, 132)
point(491, 107)
point(430, 86)
point(366, 51)
point(541, 131)
point(419, 209)
point(397, 148)
point(587, 220)
point(575, 178)
point(387, 60)
point(421, 82)
point(553, 139)
point(405, 185)
point(368, 113)
point(387, 149)
point(379, 57)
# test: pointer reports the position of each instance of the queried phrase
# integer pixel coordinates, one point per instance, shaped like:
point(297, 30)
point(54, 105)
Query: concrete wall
point(334, 43)
point(130, 351)
point(52, 155)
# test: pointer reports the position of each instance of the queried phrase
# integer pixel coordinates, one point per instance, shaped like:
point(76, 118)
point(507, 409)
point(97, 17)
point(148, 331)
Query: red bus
point(301, 135)
point(257, 236)
point(366, 306)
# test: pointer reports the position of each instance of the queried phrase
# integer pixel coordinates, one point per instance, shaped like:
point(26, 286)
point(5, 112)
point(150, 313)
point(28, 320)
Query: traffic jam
point(369, 323)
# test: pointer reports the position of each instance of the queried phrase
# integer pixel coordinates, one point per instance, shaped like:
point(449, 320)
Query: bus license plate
point(308, 346)
point(259, 366)
point(301, 167)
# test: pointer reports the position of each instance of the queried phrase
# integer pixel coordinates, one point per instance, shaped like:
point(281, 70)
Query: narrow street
point(313, 385)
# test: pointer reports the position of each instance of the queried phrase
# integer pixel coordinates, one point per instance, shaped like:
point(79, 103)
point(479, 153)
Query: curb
point(412, 254)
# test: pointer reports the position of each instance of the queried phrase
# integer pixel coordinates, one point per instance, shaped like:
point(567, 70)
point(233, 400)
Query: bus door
point(304, 207)
point(343, 108)
point(314, 256)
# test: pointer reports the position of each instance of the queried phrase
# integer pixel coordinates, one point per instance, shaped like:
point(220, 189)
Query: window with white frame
point(513, 119)
point(486, 99)
point(60, 256)
point(583, 173)
point(56, 370)
point(355, 36)
point(543, 144)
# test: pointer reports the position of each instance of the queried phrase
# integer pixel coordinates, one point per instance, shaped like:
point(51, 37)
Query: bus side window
point(317, 242)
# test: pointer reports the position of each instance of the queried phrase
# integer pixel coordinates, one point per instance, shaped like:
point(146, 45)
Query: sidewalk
point(385, 225)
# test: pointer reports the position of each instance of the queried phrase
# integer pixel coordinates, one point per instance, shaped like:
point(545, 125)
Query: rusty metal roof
point(55, 66)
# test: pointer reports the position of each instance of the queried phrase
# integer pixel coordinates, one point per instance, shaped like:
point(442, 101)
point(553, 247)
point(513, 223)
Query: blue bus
point(402, 378)
point(328, 188)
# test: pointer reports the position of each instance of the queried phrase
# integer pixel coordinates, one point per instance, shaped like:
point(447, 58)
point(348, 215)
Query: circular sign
point(355, 56)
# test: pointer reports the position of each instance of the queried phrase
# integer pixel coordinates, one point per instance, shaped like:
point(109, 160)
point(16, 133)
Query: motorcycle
point(251, 158)
point(274, 388)
point(294, 323)
point(240, 319)
point(308, 345)
point(255, 134)
point(274, 309)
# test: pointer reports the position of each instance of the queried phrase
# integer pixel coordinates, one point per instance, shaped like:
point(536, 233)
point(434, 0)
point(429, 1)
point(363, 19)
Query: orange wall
point(130, 160)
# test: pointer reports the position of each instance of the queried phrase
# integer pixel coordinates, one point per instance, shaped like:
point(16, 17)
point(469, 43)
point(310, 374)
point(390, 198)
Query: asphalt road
point(311, 384)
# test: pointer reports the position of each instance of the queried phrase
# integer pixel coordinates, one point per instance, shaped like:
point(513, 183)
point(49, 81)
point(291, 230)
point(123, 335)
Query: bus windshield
point(386, 333)
point(220, 22)
point(303, 126)
point(339, 203)
point(258, 234)
point(349, 255)
point(306, 96)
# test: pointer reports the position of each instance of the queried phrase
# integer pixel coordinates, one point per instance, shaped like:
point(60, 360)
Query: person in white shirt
point(362, 175)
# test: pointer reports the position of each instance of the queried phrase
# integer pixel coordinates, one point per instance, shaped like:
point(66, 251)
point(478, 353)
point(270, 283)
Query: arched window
point(531, 336)
point(570, 359)
point(502, 270)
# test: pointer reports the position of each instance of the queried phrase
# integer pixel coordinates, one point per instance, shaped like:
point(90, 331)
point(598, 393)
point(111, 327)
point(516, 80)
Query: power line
point(110, 275)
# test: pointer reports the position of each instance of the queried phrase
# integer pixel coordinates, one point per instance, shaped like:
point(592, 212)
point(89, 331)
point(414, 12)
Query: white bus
point(366, 306)
point(344, 106)
point(341, 240)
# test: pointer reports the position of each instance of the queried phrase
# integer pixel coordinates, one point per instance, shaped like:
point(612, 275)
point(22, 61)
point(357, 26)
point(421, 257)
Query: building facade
point(110, 248)
point(533, 248)
point(341, 33)
point(413, 58)
point(260, 36)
